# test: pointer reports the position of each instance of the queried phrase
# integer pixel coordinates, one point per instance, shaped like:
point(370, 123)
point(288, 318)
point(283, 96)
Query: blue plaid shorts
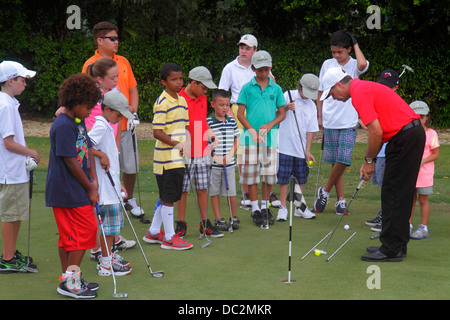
point(338, 145)
point(112, 218)
point(290, 165)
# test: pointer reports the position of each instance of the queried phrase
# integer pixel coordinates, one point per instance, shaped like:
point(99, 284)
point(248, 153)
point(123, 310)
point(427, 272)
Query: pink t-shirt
point(426, 172)
point(97, 111)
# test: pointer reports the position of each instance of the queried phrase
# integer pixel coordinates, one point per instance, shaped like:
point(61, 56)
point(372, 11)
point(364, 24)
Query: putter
point(134, 141)
point(30, 267)
point(346, 211)
point(156, 274)
point(405, 67)
point(343, 244)
point(318, 172)
point(115, 294)
point(292, 185)
point(230, 229)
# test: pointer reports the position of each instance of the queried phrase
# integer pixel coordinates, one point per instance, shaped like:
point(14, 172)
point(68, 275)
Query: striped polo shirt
point(171, 116)
point(225, 131)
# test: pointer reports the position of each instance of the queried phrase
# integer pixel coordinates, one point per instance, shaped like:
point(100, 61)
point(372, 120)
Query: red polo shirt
point(197, 124)
point(376, 101)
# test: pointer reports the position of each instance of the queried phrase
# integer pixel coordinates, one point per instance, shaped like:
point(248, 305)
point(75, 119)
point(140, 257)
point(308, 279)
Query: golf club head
point(120, 295)
point(158, 274)
point(322, 251)
point(207, 243)
point(265, 226)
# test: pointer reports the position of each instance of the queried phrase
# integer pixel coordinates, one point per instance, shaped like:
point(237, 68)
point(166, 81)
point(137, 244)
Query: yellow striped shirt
point(171, 116)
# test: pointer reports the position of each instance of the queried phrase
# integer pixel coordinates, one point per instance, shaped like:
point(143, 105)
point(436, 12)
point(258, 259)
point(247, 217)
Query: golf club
point(298, 128)
point(343, 244)
point(318, 172)
point(156, 274)
point(301, 259)
point(292, 184)
point(346, 210)
point(230, 229)
point(115, 294)
point(134, 141)
point(30, 267)
point(405, 67)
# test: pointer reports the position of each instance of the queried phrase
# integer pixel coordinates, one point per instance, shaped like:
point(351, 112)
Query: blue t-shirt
point(261, 107)
point(67, 139)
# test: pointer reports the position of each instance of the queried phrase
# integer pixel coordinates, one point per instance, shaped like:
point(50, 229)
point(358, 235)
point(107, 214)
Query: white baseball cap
point(202, 74)
point(12, 69)
point(261, 59)
point(116, 100)
point(249, 40)
point(331, 77)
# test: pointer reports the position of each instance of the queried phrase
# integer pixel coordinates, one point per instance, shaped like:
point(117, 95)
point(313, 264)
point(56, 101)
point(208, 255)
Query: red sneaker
point(176, 243)
point(159, 238)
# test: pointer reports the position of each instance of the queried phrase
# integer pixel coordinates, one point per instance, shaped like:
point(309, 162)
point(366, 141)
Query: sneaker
point(221, 224)
point(374, 221)
point(121, 243)
point(304, 212)
point(135, 210)
point(267, 216)
point(181, 228)
point(258, 218)
point(282, 214)
point(22, 258)
point(119, 259)
point(95, 254)
point(176, 243)
point(117, 267)
point(235, 223)
point(322, 199)
point(420, 233)
point(376, 228)
point(73, 286)
point(210, 229)
point(12, 266)
point(246, 204)
point(158, 238)
point(274, 201)
point(341, 207)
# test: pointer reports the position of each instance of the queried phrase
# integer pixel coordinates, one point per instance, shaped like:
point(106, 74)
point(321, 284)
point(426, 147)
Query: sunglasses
point(113, 39)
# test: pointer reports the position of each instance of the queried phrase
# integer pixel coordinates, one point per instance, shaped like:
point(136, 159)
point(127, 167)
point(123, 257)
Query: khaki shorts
point(218, 183)
point(126, 156)
point(14, 202)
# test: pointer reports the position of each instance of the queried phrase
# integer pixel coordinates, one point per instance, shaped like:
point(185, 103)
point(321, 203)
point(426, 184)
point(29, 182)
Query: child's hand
point(104, 161)
point(290, 106)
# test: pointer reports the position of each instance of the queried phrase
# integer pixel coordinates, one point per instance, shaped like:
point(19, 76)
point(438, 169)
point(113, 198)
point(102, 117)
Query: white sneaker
point(305, 214)
point(124, 244)
point(282, 214)
point(135, 210)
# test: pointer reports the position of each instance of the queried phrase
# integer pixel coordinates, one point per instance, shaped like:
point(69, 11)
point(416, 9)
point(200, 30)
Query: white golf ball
point(122, 194)
point(346, 227)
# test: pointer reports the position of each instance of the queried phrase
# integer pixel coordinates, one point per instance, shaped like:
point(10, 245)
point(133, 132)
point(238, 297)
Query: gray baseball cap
point(420, 107)
point(261, 59)
point(202, 74)
point(116, 100)
point(310, 85)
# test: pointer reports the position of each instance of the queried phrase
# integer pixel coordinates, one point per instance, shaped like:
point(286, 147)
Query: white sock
point(264, 204)
point(167, 221)
point(155, 227)
point(255, 206)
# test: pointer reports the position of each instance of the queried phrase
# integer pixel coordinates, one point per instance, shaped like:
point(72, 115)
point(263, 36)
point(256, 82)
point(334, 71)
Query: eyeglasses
point(113, 39)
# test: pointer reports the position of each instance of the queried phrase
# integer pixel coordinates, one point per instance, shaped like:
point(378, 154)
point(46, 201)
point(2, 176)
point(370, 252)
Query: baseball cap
point(116, 100)
point(249, 40)
point(420, 107)
point(201, 74)
point(389, 78)
point(261, 59)
point(330, 78)
point(12, 69)
point(310, 85)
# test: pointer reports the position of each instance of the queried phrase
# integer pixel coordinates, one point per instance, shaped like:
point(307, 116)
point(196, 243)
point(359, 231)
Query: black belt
point(412, 124)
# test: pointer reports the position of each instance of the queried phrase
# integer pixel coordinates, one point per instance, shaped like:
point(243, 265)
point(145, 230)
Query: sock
point(105, 260)
point(255, 206)
point(167, 221)
point(264, 204)
point(425, 228)
point(155, 227)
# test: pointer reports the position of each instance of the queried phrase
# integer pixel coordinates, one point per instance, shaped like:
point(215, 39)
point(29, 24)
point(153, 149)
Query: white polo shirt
point(102, 137)
point(12, 165)
point(337, 114)
point(233, 77)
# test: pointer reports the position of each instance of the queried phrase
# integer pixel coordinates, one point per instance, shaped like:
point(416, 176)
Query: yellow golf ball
point(317, 252)
point(310, 162)
point(77, 120)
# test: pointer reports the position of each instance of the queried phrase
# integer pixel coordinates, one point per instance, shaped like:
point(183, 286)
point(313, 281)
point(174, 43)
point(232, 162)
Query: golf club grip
point(97, 208)
point(31, 184)
point(212, 150)
point(225, 175)
point(360, 183)
point(110, 179)
point(289, 93)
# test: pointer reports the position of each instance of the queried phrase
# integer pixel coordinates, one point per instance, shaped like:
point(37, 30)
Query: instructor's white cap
point(12, 69)
point(331, 77)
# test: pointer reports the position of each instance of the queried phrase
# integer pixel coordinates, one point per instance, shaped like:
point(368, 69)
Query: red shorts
point(77, 227)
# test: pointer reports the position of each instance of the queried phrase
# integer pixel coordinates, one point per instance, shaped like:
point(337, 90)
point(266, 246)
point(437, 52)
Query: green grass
point(251, 263)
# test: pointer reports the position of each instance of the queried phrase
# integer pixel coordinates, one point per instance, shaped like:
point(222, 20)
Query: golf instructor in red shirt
point(388, 118)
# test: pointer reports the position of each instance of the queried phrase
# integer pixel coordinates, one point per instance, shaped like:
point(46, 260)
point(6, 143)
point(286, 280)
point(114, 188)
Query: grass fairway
point(251, 263)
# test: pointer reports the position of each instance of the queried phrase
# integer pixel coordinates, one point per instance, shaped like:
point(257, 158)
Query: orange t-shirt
point(126, 76)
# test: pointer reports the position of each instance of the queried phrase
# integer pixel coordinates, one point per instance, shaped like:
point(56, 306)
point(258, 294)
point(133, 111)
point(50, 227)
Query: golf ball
point(346, 227)
point(317, 252)
point(77, 120)
point(122, 194)
point(310, 162)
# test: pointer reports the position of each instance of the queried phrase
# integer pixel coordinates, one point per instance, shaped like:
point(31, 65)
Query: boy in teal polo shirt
point(262, 99)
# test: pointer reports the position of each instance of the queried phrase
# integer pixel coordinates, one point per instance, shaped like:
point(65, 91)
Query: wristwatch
point(370, 160)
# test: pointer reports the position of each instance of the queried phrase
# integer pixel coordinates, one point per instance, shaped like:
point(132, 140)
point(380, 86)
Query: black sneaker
point(210, 230)
point(73, 286)
point(376, 228)
point(322, 199)
point(234, 222)
point(375, 221)
point(221, 224)
point(267, 214)
point(181, 228)
point(258, 218)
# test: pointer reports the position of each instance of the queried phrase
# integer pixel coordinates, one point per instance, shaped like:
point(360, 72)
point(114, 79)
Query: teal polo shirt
point(261, 106)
